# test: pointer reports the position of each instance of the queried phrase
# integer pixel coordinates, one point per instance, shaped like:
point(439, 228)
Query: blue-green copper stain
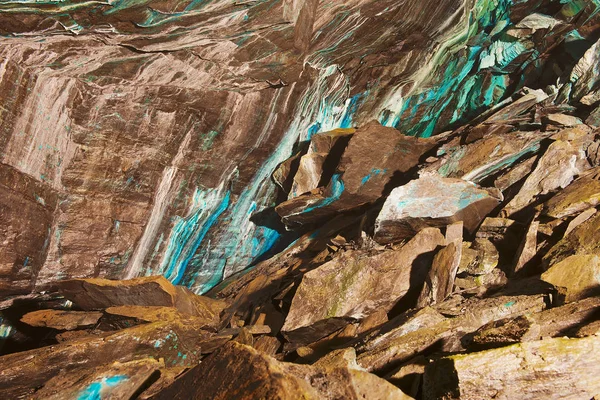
point(94, 390)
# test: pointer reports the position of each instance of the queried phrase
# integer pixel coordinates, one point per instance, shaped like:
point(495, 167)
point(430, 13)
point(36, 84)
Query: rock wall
point(139, 137)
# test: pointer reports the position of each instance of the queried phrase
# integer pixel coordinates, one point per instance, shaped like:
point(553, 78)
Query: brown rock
point(62, 320)
point(440, 279)
point(361, 176)
point(580, 195)
point(179, 343)
point(111, 381)
point(447, 333)
point(578, 274)
point(584, 239)
point(357, 283)
point(432, 201)
point(556, 169)
point(558, 321)
point(95, 293)
point(553, 368)
point(238, 371)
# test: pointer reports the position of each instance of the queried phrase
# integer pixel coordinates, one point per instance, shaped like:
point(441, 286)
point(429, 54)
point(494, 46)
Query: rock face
point(432, 201)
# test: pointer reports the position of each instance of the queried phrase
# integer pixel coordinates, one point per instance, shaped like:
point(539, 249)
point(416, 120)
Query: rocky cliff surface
point(377, 198)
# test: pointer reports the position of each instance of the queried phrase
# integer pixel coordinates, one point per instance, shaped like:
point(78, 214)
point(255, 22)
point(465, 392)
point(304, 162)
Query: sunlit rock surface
point(139, 137)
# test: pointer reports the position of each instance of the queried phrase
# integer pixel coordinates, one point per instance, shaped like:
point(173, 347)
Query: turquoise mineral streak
point(188, 232)
point(94, 390)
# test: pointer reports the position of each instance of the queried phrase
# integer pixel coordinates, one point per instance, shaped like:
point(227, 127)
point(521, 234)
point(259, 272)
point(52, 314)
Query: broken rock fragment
point(558, 368)
point(432, 201)
point(62, 320)
point(357, 283)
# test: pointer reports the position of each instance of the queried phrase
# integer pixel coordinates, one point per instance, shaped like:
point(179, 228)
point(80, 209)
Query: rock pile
point(462, 266)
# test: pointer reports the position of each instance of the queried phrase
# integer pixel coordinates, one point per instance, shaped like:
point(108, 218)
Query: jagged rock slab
point(95, 293)
point(583, 240)
point(361, 176)
point(357, 283)
point(446, 334)
point(578, 274)
point(557, 321)
point(556, 169)
point(432, 201)
point(484, 158)
point(60, 319)
point(111, 381)
point(322, 157)
point(440, 279)
point(553, 368)
point(238, 371)
point(179, 343)
point(581, 194)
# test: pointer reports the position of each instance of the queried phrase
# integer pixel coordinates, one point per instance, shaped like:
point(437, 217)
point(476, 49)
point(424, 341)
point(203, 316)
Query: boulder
point(582, 240)
point(357, 283)
point(432, 201)
point(580, 195)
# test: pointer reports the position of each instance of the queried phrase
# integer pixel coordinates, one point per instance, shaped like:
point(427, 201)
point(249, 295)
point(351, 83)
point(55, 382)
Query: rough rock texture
point(406, 188)
point(358, 283)
point(251, 375)
point(560, 368)
point(432, 201)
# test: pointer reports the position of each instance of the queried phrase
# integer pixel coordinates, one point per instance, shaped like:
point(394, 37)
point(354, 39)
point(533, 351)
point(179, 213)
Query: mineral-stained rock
point(93, 294)
point(581, 194)
point(557, 321)
point(179, 343)
point(486, 157)
point(355, 284)
point(555, 169)
point(59, 319)
point(432, 201)
point(361, 176)
point(111, 381)
point(446, 334)
point(238, 371)
point(552, 368)
point(579, 274)
point(323, 155)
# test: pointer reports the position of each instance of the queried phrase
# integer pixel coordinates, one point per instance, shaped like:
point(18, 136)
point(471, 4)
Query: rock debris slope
point(300, 199)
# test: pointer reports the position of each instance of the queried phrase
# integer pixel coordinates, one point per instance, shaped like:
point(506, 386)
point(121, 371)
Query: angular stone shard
point(62, 320)
point(563, 120)
point(357, 283)
point(440, 279)
point(361, 176)
point(111, 381)
point(240, 372)
point(553, 368)
point(95, 293)
point(578, 274)
point(583, 240)
point(581, 194)
point(558, 321)
point(555, 169)
point(432, 201)
point(324, 153)
point(447, 333)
